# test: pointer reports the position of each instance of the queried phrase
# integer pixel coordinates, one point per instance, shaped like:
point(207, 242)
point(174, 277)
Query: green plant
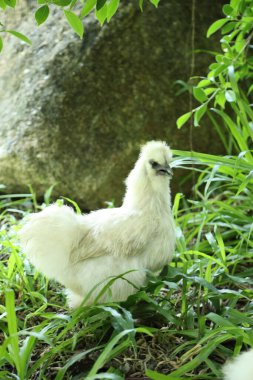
point(198, 312)
point(74, 12)
point(194, 315)
point(225, 94)
point(215, 229)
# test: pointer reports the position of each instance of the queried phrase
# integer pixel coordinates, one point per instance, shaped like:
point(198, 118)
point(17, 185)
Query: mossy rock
point(74, 112)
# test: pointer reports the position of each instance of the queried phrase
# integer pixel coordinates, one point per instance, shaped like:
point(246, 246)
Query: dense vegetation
point(199, 311)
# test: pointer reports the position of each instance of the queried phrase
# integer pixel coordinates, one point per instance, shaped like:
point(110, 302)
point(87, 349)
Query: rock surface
point(74, 112)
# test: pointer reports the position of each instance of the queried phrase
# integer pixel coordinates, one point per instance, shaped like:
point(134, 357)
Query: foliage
point(225, 187)
point(198, 312)
point(74, 12)
point(225, 89)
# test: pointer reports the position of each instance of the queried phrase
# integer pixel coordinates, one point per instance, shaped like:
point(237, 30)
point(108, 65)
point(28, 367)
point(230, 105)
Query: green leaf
point(239, 45)
point(42, 14)
point(155, 2)
point(219, 69)
point(231, 73)
point(199, 113)
point(250, 89)
point(245, 183)
point(155, 375)
point(101, 14)
point(106, 353)
point(211, 159)
point(2, 4)
point(219, 320)
point(234, 131)
point(199, 94)
point(62, 3)
point(75, 358)
point(112, 8)
point(159, 376)
point(13, 328)
point(75, 23)
point(141, 4)
point(230, 26)
point(100, 4)
point(88, 6)
point(204, 83)
point(183, 119)
point(1, 44)
point(210, 90)
point(227, 9)
point(10, 3)
point(27, 348)
point(220, 99)
point(216, 26)
point(20, 36)
point(72, 4)
point(230, 96)
point(234, 4)
point(48, 194)
point(77, 208)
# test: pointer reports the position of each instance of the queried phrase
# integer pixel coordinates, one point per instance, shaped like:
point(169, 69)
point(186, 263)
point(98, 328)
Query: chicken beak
point(164, 170)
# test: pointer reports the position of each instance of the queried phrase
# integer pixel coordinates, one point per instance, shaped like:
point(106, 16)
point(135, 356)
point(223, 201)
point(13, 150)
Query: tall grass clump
point(199, 311)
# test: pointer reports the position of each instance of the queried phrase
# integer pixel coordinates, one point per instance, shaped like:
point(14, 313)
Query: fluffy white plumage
point(81, 251)
point(241, 368)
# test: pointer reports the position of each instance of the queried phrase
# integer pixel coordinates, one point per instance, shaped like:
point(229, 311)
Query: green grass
point(183, 325)
point(199, 311)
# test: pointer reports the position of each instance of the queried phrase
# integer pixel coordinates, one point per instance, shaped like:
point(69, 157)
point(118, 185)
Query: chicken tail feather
point(48, 239)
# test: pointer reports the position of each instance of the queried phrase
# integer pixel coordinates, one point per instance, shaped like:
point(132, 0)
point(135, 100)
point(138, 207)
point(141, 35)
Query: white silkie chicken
point(81, 251)
point(241, 368)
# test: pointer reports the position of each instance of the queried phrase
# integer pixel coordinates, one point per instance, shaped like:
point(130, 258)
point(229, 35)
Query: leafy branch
point(226, 90)
point(104, 10)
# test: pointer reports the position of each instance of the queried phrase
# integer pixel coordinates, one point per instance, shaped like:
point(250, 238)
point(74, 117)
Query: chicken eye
point(154, 164)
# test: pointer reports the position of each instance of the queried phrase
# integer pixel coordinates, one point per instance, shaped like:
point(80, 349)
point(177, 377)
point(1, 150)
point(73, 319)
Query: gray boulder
point(74, 112)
